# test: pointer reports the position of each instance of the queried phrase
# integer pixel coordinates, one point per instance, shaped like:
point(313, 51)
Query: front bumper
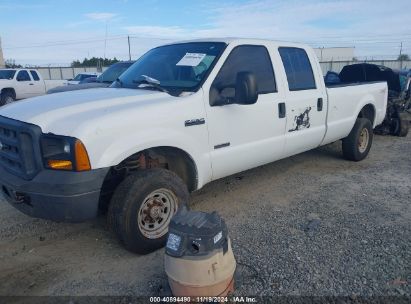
point(62, 196)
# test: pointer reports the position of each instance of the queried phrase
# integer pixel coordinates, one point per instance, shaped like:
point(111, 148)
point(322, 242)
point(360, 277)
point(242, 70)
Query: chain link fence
point(58, 73)
point(52, 73)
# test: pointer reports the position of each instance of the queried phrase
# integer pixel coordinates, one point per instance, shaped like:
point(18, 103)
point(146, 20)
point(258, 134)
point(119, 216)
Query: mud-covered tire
point(395, 126)
point(358, 143)
point(6, 98)
point(404, 127)
point(139, 202)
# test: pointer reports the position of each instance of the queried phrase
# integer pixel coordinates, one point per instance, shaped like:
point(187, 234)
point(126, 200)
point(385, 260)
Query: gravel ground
point(313, 225)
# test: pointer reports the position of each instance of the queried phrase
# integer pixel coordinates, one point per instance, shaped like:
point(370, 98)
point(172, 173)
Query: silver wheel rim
point(363, 140)
point(9, 99)
point(156, 212)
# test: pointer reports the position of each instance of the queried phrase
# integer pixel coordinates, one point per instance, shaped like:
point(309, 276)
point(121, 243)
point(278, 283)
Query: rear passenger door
point(306, 107)
point(38, 86)
point(245, 136)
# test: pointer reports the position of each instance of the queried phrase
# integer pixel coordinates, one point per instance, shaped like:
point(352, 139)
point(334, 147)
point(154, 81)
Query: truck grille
point(19, 147)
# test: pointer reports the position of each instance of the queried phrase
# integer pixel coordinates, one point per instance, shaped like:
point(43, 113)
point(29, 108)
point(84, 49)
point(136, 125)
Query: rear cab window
point(298, 69)
point(35, 75)
point(246, 58)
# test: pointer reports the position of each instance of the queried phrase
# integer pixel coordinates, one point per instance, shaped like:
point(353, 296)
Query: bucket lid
point(196, 233)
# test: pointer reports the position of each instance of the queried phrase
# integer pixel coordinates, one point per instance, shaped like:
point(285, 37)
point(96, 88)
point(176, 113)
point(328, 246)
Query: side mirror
point(243, 92)
point(246, 88)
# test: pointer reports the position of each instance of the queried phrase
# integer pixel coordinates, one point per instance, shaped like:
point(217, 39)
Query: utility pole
point(400, 56)
point(2, 64)
point(129, 50)
point(401, 49)
point(105, 41)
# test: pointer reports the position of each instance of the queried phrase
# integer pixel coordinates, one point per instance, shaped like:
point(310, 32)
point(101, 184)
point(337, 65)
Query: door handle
point(319, 104)
point(31, 83)
point(281, 109)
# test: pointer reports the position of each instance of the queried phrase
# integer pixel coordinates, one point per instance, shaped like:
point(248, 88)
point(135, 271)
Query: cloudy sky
point(56, 32)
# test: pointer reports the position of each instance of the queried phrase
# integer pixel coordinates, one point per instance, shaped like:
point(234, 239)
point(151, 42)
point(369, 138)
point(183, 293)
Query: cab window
point(297, 68)
point(35, 75)
point(23, 76)
point(246, 58)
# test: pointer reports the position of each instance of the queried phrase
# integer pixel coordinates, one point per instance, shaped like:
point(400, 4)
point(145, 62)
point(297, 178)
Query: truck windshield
point(80, 77)
point(175, 68)
point(113, 72)
point(7, 74)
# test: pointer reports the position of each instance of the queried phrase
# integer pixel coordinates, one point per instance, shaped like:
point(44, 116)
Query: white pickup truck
point(18, 84)
point(183, 115)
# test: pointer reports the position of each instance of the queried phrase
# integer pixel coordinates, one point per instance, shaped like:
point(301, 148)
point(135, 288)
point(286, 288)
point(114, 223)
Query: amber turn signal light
point(60, 164)
point(82, 160)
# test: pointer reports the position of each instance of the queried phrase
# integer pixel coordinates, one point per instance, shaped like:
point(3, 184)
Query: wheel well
point(11, 90)
point(169, 158)
point(368, 112)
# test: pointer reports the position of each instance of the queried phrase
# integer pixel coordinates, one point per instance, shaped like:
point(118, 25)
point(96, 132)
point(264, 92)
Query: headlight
point(64, 153)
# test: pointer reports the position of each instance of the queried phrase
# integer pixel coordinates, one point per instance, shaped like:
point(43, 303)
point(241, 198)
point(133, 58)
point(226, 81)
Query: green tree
point(11, 64)
point(76, 64)
point(93, 62)
point(403, 57)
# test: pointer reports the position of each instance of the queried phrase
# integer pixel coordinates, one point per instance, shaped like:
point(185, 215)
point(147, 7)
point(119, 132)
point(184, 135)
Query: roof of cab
point(17, 69)
point(234, 40)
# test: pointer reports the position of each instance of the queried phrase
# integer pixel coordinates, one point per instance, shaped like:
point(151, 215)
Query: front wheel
point(6, 98)
point(142, 207)
point(358, 143)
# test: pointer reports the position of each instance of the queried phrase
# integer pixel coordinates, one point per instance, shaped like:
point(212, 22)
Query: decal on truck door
point(301, 121)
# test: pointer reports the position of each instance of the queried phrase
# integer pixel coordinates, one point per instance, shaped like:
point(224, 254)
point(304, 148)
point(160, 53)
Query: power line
point(80, 41)
point(324, 40)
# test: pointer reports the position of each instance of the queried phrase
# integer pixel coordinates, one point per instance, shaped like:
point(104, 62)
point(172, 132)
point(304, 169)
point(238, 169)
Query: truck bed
point(349, 84)
point(343, 98)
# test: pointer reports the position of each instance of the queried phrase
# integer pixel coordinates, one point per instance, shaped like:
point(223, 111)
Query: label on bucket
point(173, 241)
point(218, 237)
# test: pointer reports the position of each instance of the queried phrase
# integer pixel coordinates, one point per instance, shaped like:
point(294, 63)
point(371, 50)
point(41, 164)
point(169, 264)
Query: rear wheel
point(6, 98)
point(358, 143)
point(142, 207)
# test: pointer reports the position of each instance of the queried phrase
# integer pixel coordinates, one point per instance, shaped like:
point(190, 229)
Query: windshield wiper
point(150, 82)
point(117, 80)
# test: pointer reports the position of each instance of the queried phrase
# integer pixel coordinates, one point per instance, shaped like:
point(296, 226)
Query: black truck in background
point(398, 115)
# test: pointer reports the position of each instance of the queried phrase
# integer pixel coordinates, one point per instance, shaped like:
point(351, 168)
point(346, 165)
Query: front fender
point(103, 155)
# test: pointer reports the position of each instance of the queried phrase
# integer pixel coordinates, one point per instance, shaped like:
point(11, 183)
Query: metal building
point(335, 53)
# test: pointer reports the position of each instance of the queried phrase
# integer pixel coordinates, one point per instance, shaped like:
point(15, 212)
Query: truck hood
point(62, 113)
point(81, 86)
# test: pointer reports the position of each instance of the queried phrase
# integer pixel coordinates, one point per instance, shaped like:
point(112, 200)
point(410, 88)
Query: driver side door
point(245, 136)
point(23, 85)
